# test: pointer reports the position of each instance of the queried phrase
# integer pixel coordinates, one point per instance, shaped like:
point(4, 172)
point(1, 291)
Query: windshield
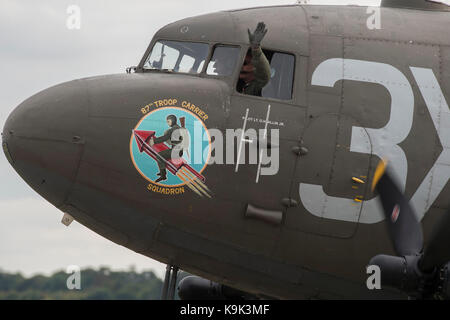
point(177, 56)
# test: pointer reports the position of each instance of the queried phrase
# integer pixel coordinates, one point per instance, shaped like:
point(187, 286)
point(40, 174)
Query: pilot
point(255, 73)
point(173, 138)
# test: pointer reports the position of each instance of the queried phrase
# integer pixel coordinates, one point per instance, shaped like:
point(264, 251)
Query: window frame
point(294, 80)
point(213, 49)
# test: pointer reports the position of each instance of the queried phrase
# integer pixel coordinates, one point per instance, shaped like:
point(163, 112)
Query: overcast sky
point(37, 51)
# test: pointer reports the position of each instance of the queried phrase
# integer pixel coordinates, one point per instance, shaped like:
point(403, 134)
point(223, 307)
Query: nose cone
point(44, 136)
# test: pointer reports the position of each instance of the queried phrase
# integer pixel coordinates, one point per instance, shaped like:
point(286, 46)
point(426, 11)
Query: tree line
point(101, 284)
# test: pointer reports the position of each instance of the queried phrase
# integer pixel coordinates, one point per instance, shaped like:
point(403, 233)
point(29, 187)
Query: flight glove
point(256, 37)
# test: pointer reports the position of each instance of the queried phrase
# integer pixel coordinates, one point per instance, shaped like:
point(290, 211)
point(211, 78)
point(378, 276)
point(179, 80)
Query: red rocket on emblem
point(178, 167)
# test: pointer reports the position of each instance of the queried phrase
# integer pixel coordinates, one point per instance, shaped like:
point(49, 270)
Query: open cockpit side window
point(267, 74)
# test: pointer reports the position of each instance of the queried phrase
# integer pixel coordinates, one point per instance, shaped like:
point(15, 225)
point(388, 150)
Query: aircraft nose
point(43, 139)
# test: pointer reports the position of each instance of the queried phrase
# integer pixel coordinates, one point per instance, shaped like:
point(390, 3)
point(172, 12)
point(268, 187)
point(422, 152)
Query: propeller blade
point(437, 252)
point(403, 227)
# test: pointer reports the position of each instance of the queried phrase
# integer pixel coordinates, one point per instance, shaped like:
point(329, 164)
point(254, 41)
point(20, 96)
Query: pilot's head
point(171, 120)
point(248, 69)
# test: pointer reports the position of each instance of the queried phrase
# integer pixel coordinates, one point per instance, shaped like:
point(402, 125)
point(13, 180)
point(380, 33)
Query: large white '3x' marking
point(384, 142)
point(438, 176)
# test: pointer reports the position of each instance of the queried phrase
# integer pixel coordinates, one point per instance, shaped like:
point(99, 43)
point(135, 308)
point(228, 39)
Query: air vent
point(269, 216)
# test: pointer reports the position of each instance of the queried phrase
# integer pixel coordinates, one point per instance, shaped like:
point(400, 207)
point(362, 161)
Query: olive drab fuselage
point(358, 95)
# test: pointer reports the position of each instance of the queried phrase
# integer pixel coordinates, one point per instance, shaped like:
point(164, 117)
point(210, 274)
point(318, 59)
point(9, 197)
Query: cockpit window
point(177, 56)
point(223, 61)
point(281, 76)
point(267, 74)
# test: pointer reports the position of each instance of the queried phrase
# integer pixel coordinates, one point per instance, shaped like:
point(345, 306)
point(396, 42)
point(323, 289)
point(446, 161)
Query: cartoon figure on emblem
point(177, 138)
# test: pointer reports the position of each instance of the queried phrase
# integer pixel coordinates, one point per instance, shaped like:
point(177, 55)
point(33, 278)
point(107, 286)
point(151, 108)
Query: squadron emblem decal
point(170, 147)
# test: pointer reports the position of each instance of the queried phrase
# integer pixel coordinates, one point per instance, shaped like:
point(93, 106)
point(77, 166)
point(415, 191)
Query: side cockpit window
point(224, 61)
point(281, 77)
point(267, 74)
point(177, 56)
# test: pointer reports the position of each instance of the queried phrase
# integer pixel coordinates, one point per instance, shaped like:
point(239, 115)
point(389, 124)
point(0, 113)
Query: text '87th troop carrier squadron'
point(285, 152)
